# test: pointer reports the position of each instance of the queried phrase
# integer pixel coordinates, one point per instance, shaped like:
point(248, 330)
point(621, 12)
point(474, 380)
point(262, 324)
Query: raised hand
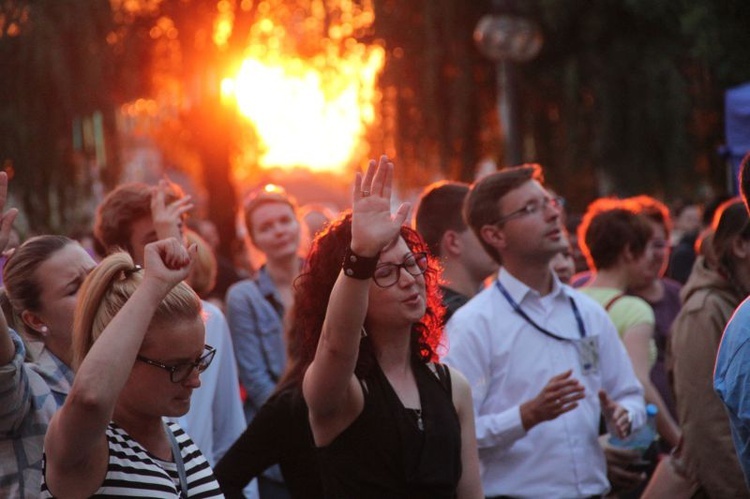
point(167, 218)
point(615, 415)
point(168, 261)
point(560, 395)
point(373, 225)
point(6, 217)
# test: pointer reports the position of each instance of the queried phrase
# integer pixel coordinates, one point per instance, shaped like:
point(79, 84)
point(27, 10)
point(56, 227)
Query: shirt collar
point(57, 375)
point(518, 290)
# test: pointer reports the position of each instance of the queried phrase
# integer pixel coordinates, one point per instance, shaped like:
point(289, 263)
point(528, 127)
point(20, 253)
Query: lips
point(412, 299)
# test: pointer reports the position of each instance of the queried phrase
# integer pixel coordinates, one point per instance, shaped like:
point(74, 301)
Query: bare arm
point(330, 387)
point(7, 349)
point(470, 484)
point(75, 444)
point(637, 341)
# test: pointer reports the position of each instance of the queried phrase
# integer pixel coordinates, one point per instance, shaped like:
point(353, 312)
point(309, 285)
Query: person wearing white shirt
point(543, 360)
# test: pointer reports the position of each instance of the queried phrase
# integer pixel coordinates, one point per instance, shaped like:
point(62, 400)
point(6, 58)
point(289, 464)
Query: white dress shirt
point(507, 362)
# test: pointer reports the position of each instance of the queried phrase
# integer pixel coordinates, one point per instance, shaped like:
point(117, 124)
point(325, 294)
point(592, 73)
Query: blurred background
point(611, 96)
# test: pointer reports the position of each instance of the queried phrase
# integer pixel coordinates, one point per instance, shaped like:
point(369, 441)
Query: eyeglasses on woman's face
point(387, 274)
point(182, 371)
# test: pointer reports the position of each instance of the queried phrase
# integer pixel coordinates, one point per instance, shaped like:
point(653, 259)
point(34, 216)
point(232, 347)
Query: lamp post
point(507, 40)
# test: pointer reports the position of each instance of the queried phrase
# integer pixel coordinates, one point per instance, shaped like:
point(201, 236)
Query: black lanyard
point(517, 308)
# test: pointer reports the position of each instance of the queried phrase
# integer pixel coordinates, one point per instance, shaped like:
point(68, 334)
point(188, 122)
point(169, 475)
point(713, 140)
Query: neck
point(741, 276)
point(147, 431)
point(458, 278)
point(62, 352)
point(391, 347)
point(652, 292)
point(537, 277)
point(283, 271)
point(609, 278)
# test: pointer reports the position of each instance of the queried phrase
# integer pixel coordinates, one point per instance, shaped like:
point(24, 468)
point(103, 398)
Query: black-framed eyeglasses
point(534, 206)
point(180, 372)
point(387, 274)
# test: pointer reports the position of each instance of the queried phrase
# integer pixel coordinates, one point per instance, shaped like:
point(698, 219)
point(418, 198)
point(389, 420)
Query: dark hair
point(439, 210)
point(269, 193)
point(730, 221)
point(607, 229)
point(651, 208)
point(21, 286)
point(120, 208)
point(312, 291)
point(482, 203)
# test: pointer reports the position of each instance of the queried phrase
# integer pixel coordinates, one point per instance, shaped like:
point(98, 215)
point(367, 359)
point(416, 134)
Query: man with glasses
point(132, 216)
point(543, 360)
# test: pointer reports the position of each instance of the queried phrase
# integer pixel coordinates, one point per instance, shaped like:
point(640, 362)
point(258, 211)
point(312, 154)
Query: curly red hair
point(313, 289)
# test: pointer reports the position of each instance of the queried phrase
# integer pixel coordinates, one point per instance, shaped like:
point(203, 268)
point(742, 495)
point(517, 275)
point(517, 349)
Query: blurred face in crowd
point(275, 230)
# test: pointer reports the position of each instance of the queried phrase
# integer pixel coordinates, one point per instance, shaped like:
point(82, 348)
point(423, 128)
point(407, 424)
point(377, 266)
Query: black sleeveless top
point(384, 453)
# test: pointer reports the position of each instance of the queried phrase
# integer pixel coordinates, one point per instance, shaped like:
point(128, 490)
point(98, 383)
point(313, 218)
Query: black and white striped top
point(133, 472)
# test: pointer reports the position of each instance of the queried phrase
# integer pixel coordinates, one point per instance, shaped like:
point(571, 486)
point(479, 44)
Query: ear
point(34, 322)
point(627, 254)
point(450, 243)
point(493, 235)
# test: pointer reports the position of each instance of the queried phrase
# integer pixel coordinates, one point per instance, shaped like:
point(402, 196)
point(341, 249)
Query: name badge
point(588, 354)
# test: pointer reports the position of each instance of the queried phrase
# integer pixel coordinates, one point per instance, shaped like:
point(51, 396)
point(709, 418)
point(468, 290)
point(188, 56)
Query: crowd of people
point(459, 351)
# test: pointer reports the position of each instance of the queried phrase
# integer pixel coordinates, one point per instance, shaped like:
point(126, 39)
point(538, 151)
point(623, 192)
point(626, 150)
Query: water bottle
point(642, 438)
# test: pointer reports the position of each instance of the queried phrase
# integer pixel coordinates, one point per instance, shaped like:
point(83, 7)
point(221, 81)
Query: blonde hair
point(106, 290)
point(202, 276)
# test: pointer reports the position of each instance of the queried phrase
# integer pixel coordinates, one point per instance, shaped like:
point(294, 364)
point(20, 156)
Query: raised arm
point(330, 388)
point(7, 349)
point(75, 445)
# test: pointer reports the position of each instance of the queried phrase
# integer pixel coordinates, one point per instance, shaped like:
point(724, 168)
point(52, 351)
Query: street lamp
point(507, 40)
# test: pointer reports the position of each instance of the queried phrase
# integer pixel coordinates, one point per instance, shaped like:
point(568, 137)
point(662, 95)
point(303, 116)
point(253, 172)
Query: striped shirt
point(133, 472)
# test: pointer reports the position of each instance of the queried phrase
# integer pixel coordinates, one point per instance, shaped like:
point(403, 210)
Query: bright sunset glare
point(310, 112)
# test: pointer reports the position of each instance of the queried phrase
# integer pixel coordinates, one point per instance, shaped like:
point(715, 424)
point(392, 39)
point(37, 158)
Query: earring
point(44, 329)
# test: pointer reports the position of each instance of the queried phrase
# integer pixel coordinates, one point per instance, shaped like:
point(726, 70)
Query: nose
point(405, 279)
point(194, 380)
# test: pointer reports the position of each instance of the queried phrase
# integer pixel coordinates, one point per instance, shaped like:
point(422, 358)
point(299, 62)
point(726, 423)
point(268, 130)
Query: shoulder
point(241, 288)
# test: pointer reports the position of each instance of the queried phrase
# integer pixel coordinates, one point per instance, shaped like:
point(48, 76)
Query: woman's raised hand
point(373, 225)
point(168, 261)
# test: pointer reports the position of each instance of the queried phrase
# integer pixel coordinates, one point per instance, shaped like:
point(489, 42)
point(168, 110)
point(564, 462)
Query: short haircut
point(483, 200)
point(651, 208)
point(607, 229)
point(439, 210)
point(120, 208)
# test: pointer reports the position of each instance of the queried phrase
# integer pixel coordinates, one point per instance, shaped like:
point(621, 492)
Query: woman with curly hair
point(387, 420)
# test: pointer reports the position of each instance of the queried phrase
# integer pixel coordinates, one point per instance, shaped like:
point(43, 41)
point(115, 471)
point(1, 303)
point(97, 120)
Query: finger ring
point(365, 194)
